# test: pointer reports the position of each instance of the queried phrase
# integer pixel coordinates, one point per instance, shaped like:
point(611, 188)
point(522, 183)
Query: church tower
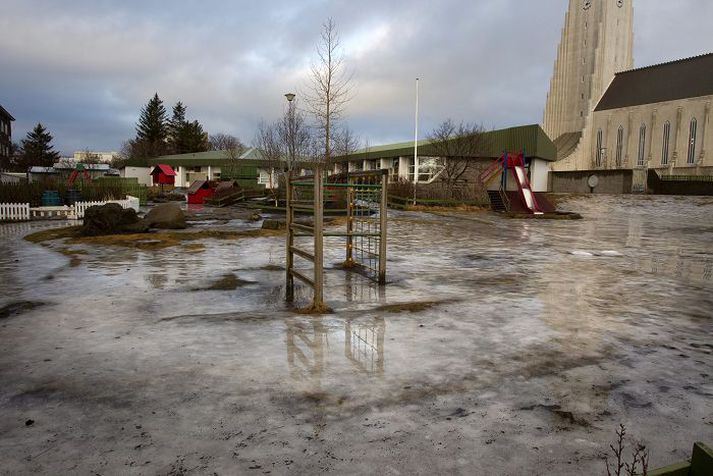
point(597, 41)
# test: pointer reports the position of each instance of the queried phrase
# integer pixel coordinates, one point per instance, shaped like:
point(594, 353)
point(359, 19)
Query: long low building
point(249, 168)
point(399, 158)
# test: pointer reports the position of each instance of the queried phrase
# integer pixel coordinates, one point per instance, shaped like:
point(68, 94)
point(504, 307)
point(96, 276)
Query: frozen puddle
point(498, 348)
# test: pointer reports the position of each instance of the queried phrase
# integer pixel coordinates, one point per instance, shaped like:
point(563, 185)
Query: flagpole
point(415, 148)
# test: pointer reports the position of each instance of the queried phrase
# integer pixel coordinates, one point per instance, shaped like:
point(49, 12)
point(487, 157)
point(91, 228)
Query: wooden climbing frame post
point(366, 195)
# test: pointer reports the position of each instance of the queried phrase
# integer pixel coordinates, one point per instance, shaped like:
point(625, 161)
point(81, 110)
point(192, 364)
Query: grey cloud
point(85, 68)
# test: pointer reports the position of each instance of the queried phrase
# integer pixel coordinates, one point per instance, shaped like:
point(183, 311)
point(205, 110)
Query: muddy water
point(498, 347)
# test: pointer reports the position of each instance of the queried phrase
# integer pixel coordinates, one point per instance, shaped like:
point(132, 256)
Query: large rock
point(111, 219)
point(166, 215)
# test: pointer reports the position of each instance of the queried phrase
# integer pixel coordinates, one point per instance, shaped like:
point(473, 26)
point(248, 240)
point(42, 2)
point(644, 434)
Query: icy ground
point(520, 347)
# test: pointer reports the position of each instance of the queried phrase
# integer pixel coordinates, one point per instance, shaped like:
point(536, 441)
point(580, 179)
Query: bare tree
point(267, 141)
point(345, 143)
point(229, 143)
point(330, 87)
point(293, 135)
point(89, 157)
point(457, 147)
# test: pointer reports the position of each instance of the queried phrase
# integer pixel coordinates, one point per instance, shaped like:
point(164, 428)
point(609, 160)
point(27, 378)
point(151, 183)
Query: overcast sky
point(84, 68)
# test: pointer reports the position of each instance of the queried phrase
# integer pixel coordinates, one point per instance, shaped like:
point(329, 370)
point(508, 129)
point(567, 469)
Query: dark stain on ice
point(18, 307)
point(557, 410)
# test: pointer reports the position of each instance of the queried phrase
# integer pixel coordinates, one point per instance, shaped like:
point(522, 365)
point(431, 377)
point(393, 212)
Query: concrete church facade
point(615, 122)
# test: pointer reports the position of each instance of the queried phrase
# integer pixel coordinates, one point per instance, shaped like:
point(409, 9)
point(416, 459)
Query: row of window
point(5, 127)
point(665, 146)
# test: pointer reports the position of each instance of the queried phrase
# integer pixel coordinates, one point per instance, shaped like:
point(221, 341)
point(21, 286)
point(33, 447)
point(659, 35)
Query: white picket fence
point(14, 211)
point(22, 211)
point(81, 207)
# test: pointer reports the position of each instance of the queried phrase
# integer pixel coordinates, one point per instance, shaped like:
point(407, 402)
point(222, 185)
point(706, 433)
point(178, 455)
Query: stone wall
point(610, 181)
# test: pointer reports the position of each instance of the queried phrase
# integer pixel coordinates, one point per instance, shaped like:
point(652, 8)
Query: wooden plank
point(302, 253)
point(301, 277)
point(299, 226)
point(318, 301)
point(289, 217)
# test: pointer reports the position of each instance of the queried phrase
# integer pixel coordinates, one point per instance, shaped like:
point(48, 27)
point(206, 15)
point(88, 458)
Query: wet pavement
point(499, 346)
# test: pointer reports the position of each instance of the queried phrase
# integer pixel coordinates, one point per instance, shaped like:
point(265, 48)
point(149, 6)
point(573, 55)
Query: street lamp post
point(290, 129)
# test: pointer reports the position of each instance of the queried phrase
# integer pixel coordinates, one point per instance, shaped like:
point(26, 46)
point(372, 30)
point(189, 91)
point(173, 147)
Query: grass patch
point(146, 241)
point(53, 234)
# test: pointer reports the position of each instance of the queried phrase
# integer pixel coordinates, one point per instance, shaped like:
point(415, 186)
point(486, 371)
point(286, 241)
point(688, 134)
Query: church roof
point(680, 79)
point(567, 143)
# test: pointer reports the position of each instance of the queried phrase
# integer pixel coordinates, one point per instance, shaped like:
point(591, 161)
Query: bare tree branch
point(330, 88)
point(457, 146)
point(229, 143)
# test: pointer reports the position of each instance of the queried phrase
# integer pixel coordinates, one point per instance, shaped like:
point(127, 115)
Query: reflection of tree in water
point(156, 280)
point(679, 266)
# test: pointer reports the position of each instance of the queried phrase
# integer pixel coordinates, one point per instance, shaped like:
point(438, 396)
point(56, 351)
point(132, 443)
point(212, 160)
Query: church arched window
point(619, 145)
point(692, 141)
point(642, 145)
point(665, 144)
point(599, 151)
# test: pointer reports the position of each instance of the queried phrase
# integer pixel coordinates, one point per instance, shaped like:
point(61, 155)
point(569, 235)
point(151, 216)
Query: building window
point(642, 145)
point(692, 141)
point(599, 151)
point(619, 145)
point(665, 144)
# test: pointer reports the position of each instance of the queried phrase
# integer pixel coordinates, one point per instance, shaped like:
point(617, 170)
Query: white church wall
point(678, 114)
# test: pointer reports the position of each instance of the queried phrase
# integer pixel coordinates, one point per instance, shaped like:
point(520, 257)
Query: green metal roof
point(531, 138)
point(212, 158)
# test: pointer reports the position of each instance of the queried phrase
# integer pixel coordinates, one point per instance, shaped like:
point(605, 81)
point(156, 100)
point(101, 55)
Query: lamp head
point(290, 96)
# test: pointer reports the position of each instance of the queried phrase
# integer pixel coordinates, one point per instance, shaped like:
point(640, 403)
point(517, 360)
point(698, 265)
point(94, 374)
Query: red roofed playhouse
point(163, 174)
point(199, 191)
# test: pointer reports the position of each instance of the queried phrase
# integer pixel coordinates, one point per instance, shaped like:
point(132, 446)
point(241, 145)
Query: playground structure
point(79, 169)
point(516, 164)
point(365, 250)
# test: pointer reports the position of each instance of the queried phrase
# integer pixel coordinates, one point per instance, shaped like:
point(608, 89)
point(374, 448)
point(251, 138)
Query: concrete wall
point(140, 173)
point(539, 175)
point(610, 181)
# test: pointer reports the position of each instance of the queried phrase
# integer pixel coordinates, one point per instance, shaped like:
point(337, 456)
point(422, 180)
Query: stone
point(166, 216)
point(110, 219)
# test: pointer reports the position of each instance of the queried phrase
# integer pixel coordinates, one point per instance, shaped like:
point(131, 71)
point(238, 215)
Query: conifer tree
point(152, 125)
point(175, 126)
point(37, 148)
point(152, 129)
point(196, 140)
point(185, 137)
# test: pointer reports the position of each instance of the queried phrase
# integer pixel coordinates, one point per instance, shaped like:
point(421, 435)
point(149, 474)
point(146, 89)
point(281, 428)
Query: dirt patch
point(145, 241)
point(315, 310)
point(73, 255)
point(412, 306)
point(459, 208)
point(18, 307)
point(227, 282)
point(194, 247)
point(544, 216)
point(563, 414)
